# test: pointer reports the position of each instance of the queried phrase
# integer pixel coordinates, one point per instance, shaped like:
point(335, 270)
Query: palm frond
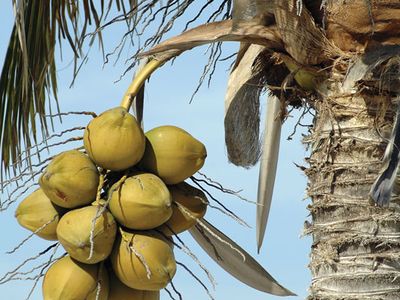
point(28, 75)
point(215, 32)
point(242, 108)
point(235, 260)
point(268, 166)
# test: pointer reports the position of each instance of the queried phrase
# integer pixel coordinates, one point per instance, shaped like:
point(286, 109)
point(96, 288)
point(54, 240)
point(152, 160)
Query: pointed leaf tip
point(236, 261)
point(268, 166)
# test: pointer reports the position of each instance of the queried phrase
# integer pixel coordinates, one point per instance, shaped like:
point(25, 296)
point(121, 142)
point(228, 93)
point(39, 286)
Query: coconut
point(172, 154)
point(39, 215)
point(74, 230)
point(114, 140)
point(143, 260)
point(70, 180)
point(142, 201)
point(119, 291)
point(68, 279)
point(189, 204)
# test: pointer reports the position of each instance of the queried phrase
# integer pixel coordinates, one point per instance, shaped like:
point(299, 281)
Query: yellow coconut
point(143, 260)
point(114, 140)
point(119, 291)
point(172, 154)
point(70, 180)
point(74, 233)
point(68, 279)
point(189, 204)
point(38, 214)
point(141, 202)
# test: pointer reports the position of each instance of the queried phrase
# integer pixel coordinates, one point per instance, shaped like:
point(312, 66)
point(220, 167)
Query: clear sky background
point(284, 253)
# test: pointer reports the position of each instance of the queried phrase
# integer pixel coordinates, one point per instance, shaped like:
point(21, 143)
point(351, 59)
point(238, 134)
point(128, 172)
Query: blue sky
point(284, 253)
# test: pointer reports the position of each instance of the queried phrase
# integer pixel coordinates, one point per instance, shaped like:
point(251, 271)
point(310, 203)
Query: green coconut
point(172, 154)
point(68, 279)
point(119, 291)
point(141, 202)
point(70, 180)
point(143, 260)
point(74, 231)
point(189, 205)
point(39, 215)
point(114, 140)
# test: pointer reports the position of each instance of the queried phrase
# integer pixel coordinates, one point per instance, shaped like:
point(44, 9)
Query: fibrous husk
point(305, 42)
point(119, 291)
point(70, 180)
point(38, 214)
point(74, 233)
point(242, 107)
point(143, 260)
point(189, 205)
point(352, 24)
point(172, 154)
point(142, 201)
point(68, 279)
point(114, 140)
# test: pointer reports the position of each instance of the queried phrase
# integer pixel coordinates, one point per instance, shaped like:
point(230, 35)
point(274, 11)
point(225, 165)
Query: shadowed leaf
point(246, 10)
point(236, 261)
point(242, 103)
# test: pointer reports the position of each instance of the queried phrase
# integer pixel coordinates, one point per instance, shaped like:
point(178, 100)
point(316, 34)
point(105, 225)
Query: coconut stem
point(139, 80)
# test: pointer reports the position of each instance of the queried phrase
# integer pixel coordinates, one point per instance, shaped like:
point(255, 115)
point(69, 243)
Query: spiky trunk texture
point(356, 246)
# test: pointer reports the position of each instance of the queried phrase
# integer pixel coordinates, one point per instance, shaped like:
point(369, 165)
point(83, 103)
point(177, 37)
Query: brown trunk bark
point(356, 246)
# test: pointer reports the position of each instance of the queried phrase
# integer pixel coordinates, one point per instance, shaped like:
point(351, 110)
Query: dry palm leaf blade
point(70, 180)
point(68, 279)
point(234, 260)
point(141, 202)
point(172, 153)
point(114, 139)
point(189, 205)
point(39, 215)
point(242, 108)
point(143, 260)
point(216, 32)
point(119, 291)
point(303, 40)
point(87, 236)
point(268, 166)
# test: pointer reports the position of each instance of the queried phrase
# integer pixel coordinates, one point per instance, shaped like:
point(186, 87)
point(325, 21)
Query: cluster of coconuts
point(116, 229)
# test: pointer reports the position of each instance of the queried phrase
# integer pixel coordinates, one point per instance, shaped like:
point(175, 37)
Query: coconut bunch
point(118, 202)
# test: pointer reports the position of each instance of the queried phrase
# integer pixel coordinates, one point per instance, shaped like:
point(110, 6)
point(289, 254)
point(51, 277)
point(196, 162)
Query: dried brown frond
point(242, 108)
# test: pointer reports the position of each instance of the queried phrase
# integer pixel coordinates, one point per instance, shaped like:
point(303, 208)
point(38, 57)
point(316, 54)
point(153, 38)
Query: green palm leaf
point(28, 76)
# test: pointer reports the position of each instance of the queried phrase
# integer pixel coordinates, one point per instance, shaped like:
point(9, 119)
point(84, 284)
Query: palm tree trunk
point(356, 246)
